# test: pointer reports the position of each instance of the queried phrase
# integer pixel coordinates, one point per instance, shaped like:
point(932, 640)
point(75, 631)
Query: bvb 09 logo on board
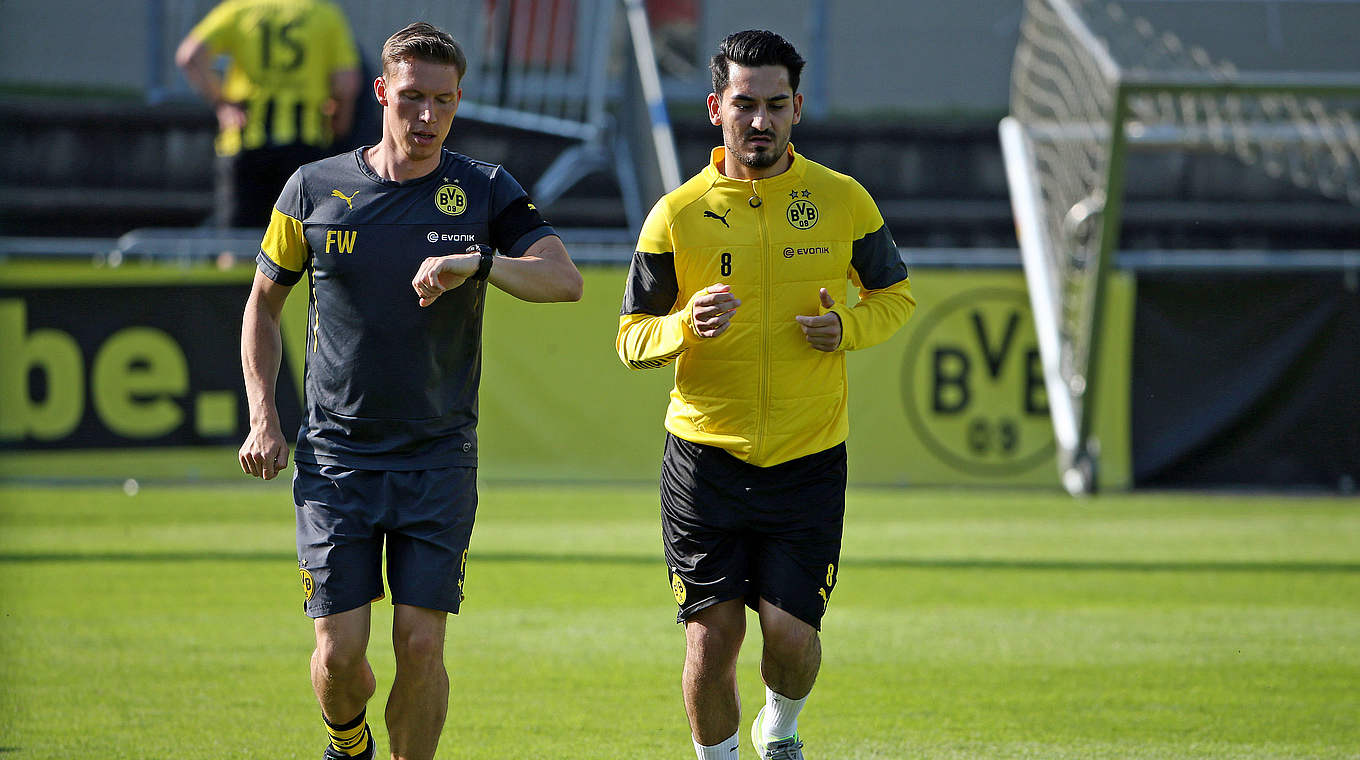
point(973, 386)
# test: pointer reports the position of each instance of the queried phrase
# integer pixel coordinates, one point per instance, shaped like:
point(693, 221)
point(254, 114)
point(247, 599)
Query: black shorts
point(733, 530)
point(344, 516)
point(248, 183)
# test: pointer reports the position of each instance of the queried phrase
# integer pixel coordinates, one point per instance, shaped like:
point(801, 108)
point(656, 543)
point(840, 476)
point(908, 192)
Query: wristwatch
point(483, 266)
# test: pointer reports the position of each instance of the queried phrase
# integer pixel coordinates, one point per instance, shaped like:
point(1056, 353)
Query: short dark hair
point(755, 47)
point(423, 42)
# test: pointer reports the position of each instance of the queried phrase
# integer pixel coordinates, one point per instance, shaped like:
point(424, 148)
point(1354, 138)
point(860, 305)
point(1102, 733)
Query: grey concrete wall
point(891, 55)
point(870, 57)
point(924, 55)
point(86, 43)
point(881, 55)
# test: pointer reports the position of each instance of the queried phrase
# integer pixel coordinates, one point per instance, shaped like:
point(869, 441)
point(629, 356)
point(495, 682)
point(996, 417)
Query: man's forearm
point(261, 357)
point(650, 342)
point(194, 59)
point(544, 274)
point(877, 316)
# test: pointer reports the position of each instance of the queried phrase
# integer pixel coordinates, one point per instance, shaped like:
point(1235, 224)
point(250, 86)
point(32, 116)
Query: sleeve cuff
point(275, 272)
point(527, 239)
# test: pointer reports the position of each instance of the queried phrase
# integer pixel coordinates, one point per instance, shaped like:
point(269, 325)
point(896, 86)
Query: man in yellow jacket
point(740, 279)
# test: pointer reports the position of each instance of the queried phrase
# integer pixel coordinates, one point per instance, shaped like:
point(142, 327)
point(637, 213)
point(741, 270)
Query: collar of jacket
point(786, 179)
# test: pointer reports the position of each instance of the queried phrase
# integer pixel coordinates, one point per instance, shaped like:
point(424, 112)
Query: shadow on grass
point(904, 563)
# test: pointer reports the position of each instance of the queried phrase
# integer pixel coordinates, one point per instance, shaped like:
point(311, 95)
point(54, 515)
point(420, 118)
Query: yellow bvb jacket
point(759, 390)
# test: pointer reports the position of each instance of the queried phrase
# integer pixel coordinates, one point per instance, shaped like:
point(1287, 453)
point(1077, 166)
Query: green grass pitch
point(967, 624)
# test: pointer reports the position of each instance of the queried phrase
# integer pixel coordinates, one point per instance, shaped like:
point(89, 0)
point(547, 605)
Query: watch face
point(479, 248)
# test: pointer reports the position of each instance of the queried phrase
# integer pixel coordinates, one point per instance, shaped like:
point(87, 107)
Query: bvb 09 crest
point(802, 214)
point(450, 199)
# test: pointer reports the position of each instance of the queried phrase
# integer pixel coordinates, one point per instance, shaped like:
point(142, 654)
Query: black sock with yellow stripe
point(352, 738)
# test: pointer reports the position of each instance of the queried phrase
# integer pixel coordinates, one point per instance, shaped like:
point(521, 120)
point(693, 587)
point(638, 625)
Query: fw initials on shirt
point(342, 240)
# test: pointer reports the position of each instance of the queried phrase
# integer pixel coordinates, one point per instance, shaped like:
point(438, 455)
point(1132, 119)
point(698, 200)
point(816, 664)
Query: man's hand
point(442, 273)
point(711, 310)
point(265, 452)
point(230, 115)
point(823, 331)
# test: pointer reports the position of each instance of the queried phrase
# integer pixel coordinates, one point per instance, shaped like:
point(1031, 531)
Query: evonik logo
point(790, 252)
point(450, 237)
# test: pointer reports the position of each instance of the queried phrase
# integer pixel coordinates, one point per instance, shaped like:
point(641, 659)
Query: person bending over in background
point(287, 95)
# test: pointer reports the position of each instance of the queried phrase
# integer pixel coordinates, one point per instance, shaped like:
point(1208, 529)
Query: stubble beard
point(757, 159)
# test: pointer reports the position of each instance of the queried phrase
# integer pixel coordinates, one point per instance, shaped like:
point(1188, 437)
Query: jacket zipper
point(762, 395)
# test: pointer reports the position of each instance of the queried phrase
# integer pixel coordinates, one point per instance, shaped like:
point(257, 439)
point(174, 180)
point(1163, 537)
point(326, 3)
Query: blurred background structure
point(1231, 332)
point(902, 106)
point(1097, 88)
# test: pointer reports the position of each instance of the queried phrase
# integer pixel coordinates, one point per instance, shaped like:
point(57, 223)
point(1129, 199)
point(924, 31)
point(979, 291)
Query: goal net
point(1093, 80)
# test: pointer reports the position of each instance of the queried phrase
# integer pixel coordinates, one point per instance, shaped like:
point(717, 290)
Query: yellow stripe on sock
point(352, 741)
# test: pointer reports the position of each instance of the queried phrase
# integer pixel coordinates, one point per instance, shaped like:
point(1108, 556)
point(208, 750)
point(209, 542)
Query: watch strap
point(483, 266)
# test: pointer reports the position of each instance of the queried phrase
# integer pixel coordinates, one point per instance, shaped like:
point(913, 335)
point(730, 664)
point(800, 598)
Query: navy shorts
point(733, 530)
point(345, 516)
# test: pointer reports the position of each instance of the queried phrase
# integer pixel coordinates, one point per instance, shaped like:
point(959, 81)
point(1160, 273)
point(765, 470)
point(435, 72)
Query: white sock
point(780, 720)
point(723, 750)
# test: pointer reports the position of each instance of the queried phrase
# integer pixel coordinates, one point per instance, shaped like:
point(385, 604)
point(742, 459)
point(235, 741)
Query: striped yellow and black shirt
point(282, 56)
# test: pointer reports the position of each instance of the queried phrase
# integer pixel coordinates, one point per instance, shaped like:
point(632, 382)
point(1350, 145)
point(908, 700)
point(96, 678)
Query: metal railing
point(614, 246)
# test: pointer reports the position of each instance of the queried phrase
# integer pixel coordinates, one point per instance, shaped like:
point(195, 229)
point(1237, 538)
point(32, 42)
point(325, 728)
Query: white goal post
point(1092, 82)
